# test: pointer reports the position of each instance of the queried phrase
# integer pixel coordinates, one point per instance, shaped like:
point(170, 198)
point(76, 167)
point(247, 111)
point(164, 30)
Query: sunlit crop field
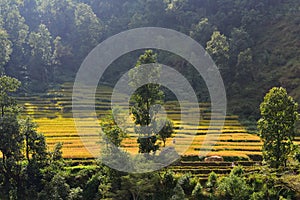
point(53, 114)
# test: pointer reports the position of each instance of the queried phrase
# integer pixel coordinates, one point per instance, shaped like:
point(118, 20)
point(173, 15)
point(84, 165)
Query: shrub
point(187, 183)
point(91, 188)
point(237, 171)
point(178, 193)
point(197, 192)
point(233, 187)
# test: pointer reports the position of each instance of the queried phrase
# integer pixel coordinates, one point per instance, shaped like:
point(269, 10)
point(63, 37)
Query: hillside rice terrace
point(53, 114)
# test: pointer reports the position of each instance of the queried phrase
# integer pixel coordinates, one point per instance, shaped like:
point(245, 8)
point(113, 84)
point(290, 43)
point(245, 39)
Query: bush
point(237, 171)
point(168, 182)
point(91, 189)
point(212, 181)
point(56, 189)
point(178, 193)
point(197, 192)
point(268, 186)
point(75, 194)
point(257, 196)
point(187, 183)
point(234, 188)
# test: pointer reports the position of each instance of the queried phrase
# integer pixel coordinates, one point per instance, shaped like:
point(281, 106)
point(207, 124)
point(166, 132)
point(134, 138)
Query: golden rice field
point(52, 113)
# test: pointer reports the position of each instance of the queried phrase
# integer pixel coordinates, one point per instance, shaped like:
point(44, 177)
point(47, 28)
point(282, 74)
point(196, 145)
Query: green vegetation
point(255, 45)
point(277, 126)
point(111, 130)
point(25, 159)
point(144, 99)
point(103, 182)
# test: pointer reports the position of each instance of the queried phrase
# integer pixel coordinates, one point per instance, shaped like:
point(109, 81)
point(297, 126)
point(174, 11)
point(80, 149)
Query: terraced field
point(53, 114)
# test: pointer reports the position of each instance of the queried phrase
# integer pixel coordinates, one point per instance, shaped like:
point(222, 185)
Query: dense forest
point(255, 45)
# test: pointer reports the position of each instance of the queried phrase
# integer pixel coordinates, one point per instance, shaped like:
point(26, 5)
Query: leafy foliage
point(178, 193)
point(7, 86)
point(166, 130)
point(218, 48)
point(113, 133)
point(233, 187)
point(5, 46)
point(72, 28)
point(25, 160)
point(197, 192)
point(277, 126)
point(44, 42)
point(144, 99)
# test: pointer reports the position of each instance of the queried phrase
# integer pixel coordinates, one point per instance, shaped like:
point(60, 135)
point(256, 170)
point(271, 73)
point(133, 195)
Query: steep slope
point(276, 62)
point(280, 45)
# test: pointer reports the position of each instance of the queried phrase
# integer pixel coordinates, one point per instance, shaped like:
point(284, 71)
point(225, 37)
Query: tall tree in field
point(277, 126)
point(166, 130)
point(143, 98)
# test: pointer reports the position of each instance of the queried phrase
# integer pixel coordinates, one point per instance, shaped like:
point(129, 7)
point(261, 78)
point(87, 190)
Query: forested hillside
point(44, 42)
point(163, 148)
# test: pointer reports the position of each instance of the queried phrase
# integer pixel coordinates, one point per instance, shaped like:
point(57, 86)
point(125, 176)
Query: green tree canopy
point(279, 113)
point(239, 40)
point(178, 193)
point(139, 186)
point(113, 133)
point(23, 149)
point(12, 140)
point(5, 49)
point(8, 85)
point(233, 187)
point(89, 29)
point(42, 59)
point(35, 143)
point(166, 130)
point(144, 99)
point(218, 48)
point(202, 31)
